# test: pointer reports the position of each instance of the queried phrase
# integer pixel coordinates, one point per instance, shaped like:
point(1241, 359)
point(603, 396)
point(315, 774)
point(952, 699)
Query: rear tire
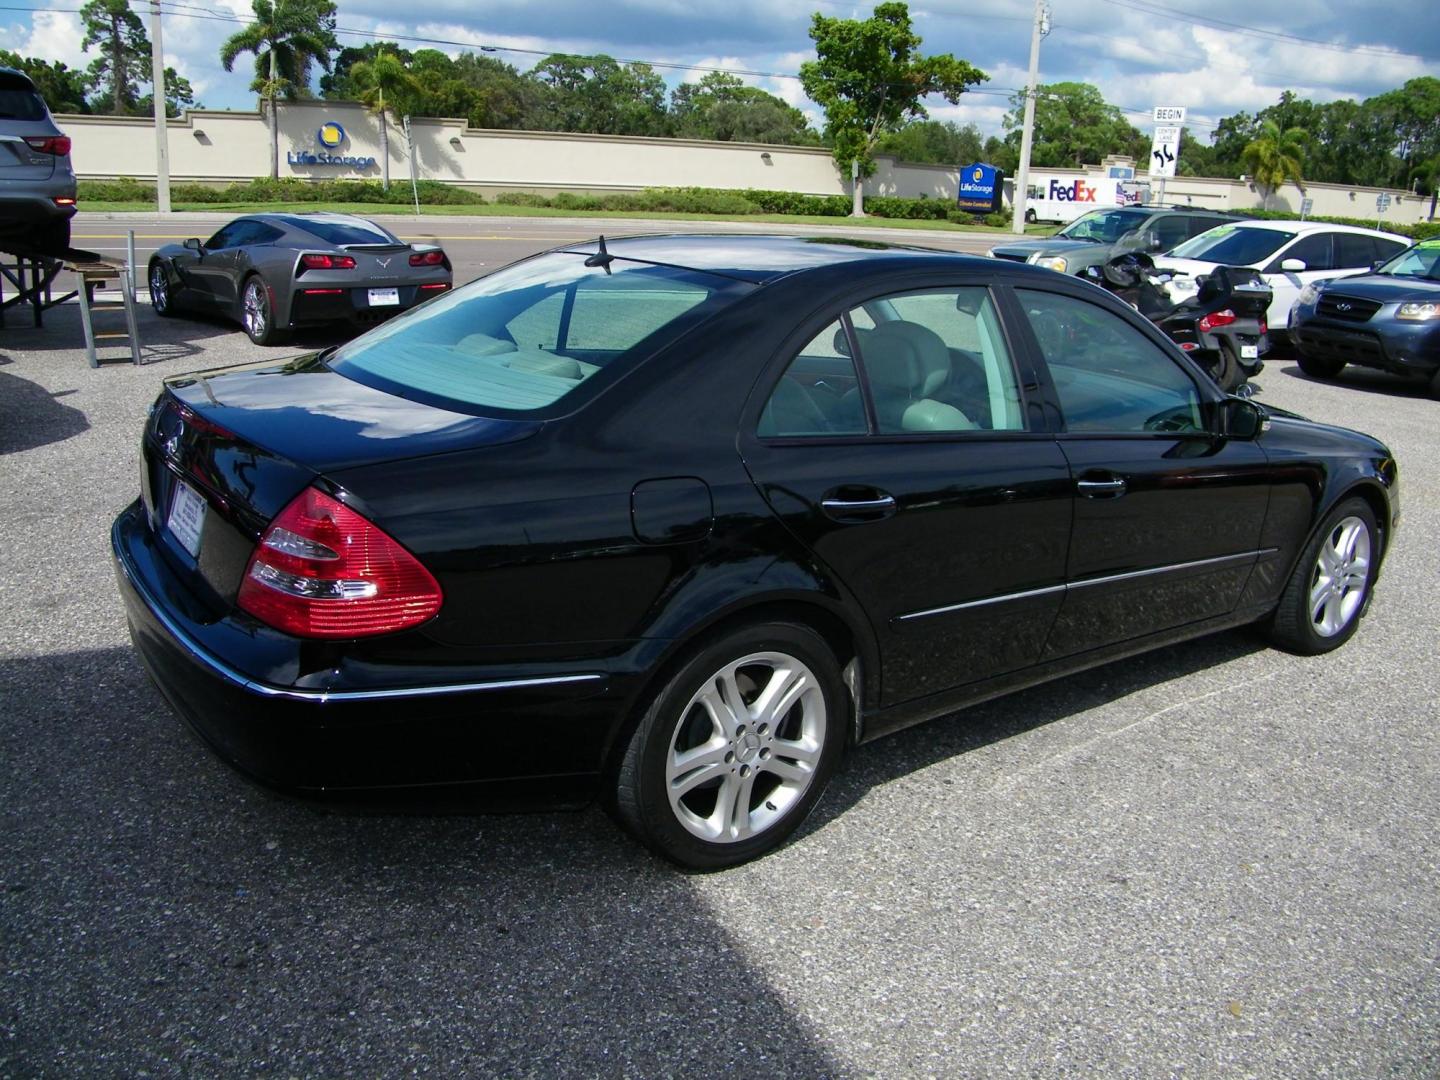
point(1228, 375)
point(1329, 590)
point(1317, 368)
point(736, 748)
point(257, 315)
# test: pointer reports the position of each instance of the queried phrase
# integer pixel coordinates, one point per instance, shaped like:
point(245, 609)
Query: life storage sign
point(981, 189)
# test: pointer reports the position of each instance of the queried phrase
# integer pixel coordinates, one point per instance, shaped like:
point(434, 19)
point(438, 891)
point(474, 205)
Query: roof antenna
point(601, 257)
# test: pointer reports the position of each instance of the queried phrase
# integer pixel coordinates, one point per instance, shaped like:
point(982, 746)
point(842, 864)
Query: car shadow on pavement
point(906, 752)
point(163, 916)
point(1364, 379)
point(31, 416)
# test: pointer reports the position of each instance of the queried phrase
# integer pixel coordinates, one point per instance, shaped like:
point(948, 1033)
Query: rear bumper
point(1402, 349)
point(319, 303)
point(509, 737)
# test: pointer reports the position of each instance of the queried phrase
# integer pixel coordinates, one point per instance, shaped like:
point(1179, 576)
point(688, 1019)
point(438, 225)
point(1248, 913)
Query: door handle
point(880, 506)
point(1096, 488)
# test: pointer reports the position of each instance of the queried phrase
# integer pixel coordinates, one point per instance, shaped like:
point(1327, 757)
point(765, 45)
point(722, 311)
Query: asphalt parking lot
point(1214, 860)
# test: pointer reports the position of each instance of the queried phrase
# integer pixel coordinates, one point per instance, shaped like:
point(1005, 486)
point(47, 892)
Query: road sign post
point(1165, 147)
point(1382, 203)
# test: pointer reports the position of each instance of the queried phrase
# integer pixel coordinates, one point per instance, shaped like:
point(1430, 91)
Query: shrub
point(998, 220)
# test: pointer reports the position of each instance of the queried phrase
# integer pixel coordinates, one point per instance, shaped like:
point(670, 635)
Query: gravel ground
point(1215, 860)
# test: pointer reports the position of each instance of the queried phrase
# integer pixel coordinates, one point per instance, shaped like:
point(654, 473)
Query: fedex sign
point(1078, 191)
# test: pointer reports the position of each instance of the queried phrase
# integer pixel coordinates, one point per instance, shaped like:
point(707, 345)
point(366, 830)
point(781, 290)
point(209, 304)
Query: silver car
point(275, 272)
point(37, 183)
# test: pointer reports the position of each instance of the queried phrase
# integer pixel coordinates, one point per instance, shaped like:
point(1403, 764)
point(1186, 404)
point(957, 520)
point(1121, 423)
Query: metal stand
point(32, 276)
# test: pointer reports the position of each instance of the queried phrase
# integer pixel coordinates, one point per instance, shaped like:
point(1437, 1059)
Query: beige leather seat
point(906, 364)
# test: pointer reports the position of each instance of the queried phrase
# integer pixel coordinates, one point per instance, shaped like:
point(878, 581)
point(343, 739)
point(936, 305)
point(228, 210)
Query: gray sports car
point(274, 272)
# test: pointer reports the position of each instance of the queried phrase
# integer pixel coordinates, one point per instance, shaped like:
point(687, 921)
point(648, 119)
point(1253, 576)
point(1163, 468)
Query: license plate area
point(186, 520)
point(384, 297)
point(1249, 352)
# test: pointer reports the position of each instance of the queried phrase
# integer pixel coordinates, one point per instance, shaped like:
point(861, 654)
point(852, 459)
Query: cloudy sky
point(1214, 56)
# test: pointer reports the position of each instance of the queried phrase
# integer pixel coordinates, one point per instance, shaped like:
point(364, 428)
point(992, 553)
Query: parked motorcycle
point(1222, 327)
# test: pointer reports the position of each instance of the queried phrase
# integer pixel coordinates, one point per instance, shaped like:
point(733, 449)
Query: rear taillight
point(1264, 326)
point(323, 571)
point(427, 258)
point(326, 262)
point(59, 145)
point(434, 285)
point(1216, 319)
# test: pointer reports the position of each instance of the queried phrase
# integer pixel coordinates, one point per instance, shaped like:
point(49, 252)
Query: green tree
point(1275, 157)
point(286, 37)
point(179, 95)
point(723, 108)
point(936, 143)
point(62, 88)
point(374, 79)
point(1074, 126)
point(870, 78)
point(1413, 114)
point(599, 95)
point(124, 58)
point(500, 96)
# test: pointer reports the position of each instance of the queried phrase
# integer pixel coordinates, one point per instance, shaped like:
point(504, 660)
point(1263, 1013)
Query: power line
point(1148, 8)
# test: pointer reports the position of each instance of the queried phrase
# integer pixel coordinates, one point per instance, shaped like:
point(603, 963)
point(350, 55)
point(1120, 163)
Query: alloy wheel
point(1337, 586)
point(255, 314)
point(746, 747)
point(159, 289)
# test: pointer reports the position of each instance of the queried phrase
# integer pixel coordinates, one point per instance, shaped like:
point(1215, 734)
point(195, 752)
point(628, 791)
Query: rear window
point(537, 338)
point(343, 233)
point(19, 100)
point(1233, 245)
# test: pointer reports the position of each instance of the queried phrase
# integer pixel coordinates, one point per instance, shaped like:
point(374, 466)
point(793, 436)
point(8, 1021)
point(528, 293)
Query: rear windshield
point(343, 233)
point(18, 99)
point(1233, 245)
point(537, 338)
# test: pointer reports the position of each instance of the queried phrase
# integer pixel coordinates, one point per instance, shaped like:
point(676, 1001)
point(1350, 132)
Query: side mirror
point(1241, 418)
point(1377, 264)
point(1292, 266)
point(1156, 244)
point(193, 245)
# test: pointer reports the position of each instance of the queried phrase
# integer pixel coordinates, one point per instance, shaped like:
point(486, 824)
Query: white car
point(1288, 254)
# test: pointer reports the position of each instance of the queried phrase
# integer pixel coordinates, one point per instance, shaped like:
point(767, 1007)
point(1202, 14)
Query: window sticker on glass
point(187, 517)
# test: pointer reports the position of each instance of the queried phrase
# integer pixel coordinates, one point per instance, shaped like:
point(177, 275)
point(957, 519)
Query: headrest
point(906, 356)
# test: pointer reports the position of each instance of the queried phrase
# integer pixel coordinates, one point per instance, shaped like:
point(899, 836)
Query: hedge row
point(288, 189)
point(687, 200)
point(1415, 230)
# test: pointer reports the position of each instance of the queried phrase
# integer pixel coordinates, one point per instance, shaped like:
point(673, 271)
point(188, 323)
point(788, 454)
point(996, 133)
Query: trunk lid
point(224, 452)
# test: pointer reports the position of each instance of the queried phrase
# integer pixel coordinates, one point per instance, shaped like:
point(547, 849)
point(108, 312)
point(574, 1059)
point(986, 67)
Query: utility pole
point(157, 79)
point(1022, 176)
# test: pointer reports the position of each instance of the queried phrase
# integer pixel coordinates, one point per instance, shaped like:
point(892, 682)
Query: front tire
point(1329, 591)
point(257, 315)
point(161, 298)
point(736, 749)
point(1318, 368)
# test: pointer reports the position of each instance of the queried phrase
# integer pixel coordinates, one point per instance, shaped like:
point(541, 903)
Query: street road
point(1216, 860)
point(477, 245)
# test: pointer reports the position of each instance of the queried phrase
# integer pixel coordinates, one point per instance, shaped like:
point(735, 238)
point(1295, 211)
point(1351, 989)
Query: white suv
point(1288, 254)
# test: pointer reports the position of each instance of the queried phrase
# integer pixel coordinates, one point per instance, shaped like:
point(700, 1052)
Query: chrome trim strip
point(244, 682)
point(1049, 589)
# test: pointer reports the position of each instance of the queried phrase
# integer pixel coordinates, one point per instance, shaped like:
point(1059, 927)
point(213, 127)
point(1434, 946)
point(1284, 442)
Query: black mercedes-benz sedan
point(675, 521)
point(273, 273)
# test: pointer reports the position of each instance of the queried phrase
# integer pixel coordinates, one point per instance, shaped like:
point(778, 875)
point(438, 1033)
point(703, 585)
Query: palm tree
point(286, 37)
point(1275, 157)
point(372, 80)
